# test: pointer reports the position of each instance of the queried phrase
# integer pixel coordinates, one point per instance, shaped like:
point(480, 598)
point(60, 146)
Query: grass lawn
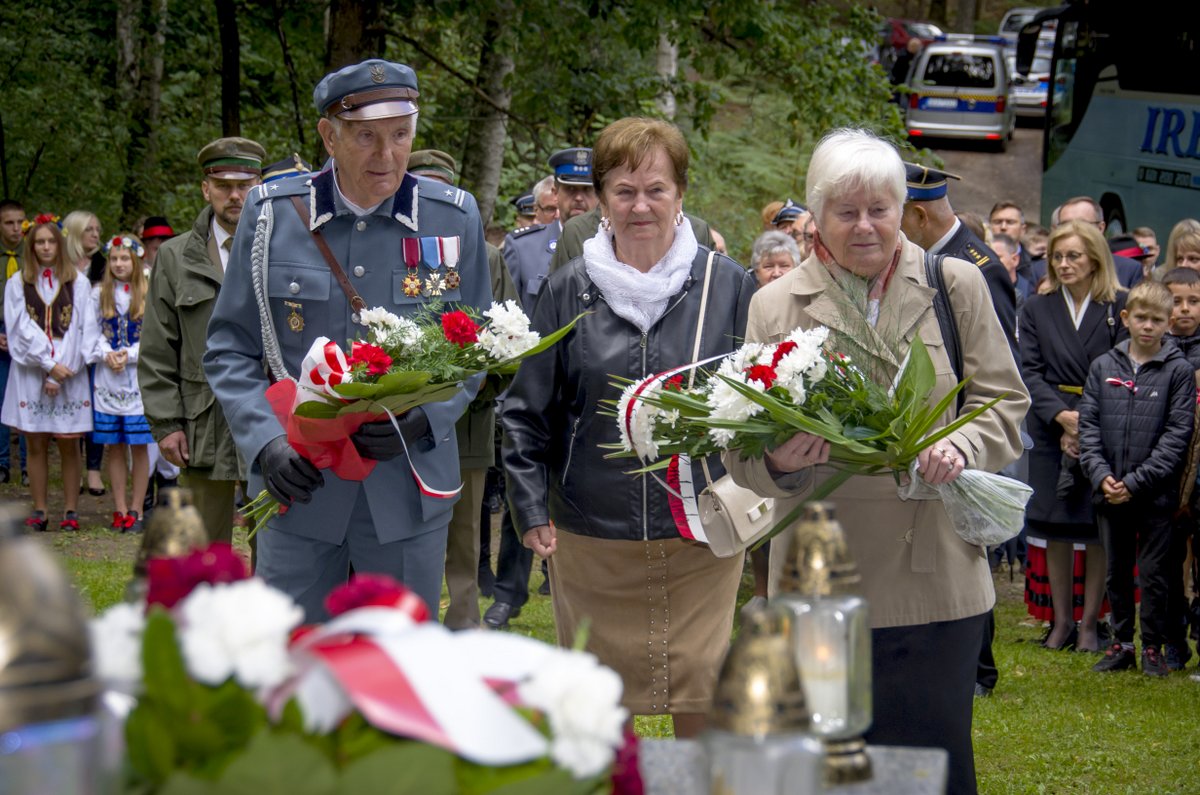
point(1052, 726)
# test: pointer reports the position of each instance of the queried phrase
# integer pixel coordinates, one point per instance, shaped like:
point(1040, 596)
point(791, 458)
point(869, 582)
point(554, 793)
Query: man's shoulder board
point(527, 230)
point(973, 254)
point(441, 192)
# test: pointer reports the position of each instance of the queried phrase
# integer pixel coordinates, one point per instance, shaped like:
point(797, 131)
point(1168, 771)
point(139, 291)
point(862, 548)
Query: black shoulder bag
point(945, 316)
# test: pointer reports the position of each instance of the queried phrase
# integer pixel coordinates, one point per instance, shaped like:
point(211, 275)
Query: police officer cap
point(433, 163)
point(790, 211)
point(232, 158)
point(924, 183)
point(572, 166)
point(156, 226)
point(1127, 246)
point(373, 89)
point(288, 167)
point(525, 205)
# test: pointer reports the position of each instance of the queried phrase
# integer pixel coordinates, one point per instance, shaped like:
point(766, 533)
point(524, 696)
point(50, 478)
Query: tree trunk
point(667, 66)
point(484, 153)
point(355, 32)
point(129, 35)
point(937, 12)
point(290, 65)
point(231, 68)
point(3, 161)
point(141, 50)
point(966, 16)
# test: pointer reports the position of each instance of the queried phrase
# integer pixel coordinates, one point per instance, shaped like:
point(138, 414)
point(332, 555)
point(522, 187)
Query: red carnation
point(626, 774)
point(675, 383)
point(374, 358)
point(459, 328)
point(172, 579)
point(375, 590)
point(764, 374)
point(783, 349)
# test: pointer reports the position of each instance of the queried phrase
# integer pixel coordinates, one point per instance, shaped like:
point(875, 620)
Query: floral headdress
point(40, 220)
point(125, 241)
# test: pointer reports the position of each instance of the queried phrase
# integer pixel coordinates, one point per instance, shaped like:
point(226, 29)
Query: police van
point(960, 89)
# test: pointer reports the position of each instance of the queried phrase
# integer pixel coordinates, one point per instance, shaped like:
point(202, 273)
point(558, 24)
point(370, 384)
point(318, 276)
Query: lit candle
point(819, 642)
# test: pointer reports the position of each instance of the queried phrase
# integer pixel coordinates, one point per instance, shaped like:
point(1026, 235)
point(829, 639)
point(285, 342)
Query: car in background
point(959, 88)
point(1030, 92)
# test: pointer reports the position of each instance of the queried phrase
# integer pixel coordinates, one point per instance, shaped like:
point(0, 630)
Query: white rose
point(581, 700)
point(117, 643)
point(240, 630)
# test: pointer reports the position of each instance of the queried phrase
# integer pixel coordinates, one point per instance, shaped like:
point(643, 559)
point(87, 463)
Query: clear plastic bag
point(984, 508)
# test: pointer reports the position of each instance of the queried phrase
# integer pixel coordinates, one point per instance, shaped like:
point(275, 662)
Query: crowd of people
point(155, 351)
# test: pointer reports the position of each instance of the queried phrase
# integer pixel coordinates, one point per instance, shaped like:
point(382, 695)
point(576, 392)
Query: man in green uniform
point(185, 418)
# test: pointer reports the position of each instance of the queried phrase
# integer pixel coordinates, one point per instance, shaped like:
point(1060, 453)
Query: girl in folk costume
point(118, 302)
point(47, 305)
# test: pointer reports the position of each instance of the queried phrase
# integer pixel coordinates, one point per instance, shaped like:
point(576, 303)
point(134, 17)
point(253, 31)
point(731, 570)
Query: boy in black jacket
point(1135, 423)
point(1184, 284)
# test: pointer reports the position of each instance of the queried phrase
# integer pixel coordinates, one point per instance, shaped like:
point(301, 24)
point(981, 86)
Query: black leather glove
point(287, 475)
point(379, 441)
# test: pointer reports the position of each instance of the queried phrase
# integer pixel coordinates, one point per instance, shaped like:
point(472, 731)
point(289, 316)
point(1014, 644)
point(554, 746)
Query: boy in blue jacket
point(1135, 424)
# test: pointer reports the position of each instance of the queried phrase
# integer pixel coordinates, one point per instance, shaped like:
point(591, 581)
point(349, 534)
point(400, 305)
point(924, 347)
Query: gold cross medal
point(450, 251)
point(295, 320)
point(411, 249)
point(435, 283)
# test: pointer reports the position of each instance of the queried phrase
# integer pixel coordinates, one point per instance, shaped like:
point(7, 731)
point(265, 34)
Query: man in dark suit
point(1087, 210)
point(929, 221)
point(1007, 218)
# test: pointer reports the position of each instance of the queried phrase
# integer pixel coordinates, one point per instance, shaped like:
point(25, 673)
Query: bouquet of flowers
point(401, 363)
point(231, 695)
point(761, 395)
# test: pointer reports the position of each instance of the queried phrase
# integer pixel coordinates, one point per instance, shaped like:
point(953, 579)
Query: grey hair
point(849, 159)
point(772, 242)
point(544, 185)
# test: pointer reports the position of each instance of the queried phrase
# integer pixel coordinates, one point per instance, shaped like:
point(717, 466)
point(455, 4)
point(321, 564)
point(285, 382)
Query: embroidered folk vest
point(121, 332)
point(56, 318)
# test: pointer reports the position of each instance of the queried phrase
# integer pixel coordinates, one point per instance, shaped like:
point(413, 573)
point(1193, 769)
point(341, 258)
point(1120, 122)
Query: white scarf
point(641, 298)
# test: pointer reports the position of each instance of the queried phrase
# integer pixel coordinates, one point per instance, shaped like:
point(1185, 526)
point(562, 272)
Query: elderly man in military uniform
point(189, 273)
point(314, 252)
point(930, 222)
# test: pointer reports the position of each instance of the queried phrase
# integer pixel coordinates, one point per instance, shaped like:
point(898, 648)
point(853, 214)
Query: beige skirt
point(660, 615)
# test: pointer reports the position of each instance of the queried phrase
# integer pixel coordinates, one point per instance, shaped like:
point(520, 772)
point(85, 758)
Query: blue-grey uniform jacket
point(527, 254)
point(307, 302)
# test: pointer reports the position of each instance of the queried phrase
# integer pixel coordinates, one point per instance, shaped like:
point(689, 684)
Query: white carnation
point(380, 318)
point(240, 630)
point(117, 643)
point(507, 336)
point(726, 403)
point(581, 699)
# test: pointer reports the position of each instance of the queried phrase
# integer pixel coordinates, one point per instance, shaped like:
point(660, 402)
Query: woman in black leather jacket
point(661, 608)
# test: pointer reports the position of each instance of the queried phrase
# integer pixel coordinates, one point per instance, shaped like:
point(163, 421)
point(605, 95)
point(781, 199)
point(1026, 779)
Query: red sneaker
point(118, 522)
point(129, 521)
point(70, 521)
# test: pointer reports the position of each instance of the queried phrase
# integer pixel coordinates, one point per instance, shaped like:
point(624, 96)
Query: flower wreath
point(125, 241)
point(40, 220)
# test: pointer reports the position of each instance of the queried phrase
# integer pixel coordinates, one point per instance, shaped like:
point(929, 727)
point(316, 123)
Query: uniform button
point(293, 288)
point(359, 270)
point(361, 226)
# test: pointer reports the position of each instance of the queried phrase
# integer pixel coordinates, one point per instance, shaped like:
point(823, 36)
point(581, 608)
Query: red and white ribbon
point(426, 489)
point(449, 250)
point(323, 368)
point(1130, 385)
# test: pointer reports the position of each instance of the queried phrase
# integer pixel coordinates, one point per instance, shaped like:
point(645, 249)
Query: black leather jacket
point(554, 466)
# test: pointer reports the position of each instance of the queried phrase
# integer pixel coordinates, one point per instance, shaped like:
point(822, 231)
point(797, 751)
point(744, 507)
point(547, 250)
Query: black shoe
point(1069, 643)
point(1177, 656)
point(1153, 663)
point(4, 476)
point(982, 691)
point(1117, 658)
point(498, 615)
point(544, 588)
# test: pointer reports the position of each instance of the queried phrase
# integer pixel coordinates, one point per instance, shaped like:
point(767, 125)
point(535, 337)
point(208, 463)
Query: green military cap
point(433, 163)
point(232, 158)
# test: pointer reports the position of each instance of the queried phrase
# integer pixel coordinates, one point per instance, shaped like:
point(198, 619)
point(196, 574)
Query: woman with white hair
point(929, 591)
point(773, 255)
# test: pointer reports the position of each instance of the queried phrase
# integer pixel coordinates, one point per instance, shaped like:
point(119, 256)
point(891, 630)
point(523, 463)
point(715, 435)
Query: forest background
point(104, 103)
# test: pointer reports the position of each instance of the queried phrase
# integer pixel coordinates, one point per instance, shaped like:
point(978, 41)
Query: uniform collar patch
point(323, 204)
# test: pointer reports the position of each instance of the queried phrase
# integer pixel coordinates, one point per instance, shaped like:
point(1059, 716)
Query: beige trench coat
point(915, 568)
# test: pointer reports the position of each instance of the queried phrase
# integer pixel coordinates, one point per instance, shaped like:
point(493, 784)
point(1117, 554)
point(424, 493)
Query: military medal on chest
point(449, 247)
point(412, 283)
point(295, 320)
point(431, 252)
